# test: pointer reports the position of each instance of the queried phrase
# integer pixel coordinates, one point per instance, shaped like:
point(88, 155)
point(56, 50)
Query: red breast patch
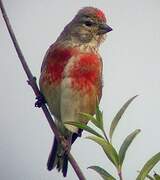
point(56, 61)
point(85, 72)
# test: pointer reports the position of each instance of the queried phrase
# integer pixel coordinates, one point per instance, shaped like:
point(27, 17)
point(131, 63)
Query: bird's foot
point(40, 101)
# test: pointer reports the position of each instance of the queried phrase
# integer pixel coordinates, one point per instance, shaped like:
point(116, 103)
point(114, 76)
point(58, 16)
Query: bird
point(71, 77)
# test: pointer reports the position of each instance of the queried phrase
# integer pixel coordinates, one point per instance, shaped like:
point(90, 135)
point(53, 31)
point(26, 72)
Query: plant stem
point(120, 175)
point(33, 84)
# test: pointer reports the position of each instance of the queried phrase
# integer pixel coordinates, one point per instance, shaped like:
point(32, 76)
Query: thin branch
point(33, 84)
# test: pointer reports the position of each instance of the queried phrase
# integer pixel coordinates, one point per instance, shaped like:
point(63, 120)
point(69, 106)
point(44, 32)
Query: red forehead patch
point(91, 11)
point(100, 15)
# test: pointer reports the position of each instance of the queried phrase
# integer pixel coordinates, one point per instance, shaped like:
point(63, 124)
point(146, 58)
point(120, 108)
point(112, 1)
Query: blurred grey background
point(131, 57)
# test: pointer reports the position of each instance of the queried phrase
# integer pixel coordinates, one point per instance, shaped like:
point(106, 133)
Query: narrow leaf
point(107, 148)
point(84, 127)
point(99, 116)
point(156, 176)
point(118, 117)
point(126, 144)
point(148, 166)
point(103, 173)
point(90, 118)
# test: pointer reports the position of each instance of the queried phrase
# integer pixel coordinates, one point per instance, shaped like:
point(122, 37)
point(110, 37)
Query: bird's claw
point(40, 101)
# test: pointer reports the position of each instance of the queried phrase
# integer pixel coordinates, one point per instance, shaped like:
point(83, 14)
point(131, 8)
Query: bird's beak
point(104, 28)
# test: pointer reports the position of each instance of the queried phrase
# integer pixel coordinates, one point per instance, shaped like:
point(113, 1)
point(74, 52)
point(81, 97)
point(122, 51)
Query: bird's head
point(88, 26)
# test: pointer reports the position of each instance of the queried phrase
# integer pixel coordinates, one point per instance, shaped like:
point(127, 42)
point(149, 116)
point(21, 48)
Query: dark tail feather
point(65, 165)
point(55, 158)
point(52, 155)
point(65, 158)
point(76, 135)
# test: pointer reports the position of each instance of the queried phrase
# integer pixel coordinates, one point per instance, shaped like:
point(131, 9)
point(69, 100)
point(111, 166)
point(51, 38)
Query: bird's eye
point(88, 23)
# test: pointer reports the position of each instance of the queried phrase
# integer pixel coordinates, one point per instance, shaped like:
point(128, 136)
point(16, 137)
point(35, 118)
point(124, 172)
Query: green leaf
point(156, 176)
point(84, 127)
point(126, 144)
point(103, 173)
point(99, 117)
point(118, 117)
point(148, 166)
point(89, 117)
point(108, 149)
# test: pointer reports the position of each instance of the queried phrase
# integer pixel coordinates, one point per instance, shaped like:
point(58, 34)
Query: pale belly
point(66, 100)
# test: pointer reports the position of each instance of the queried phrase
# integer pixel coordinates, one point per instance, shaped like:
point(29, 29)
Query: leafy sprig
point(115, 156)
